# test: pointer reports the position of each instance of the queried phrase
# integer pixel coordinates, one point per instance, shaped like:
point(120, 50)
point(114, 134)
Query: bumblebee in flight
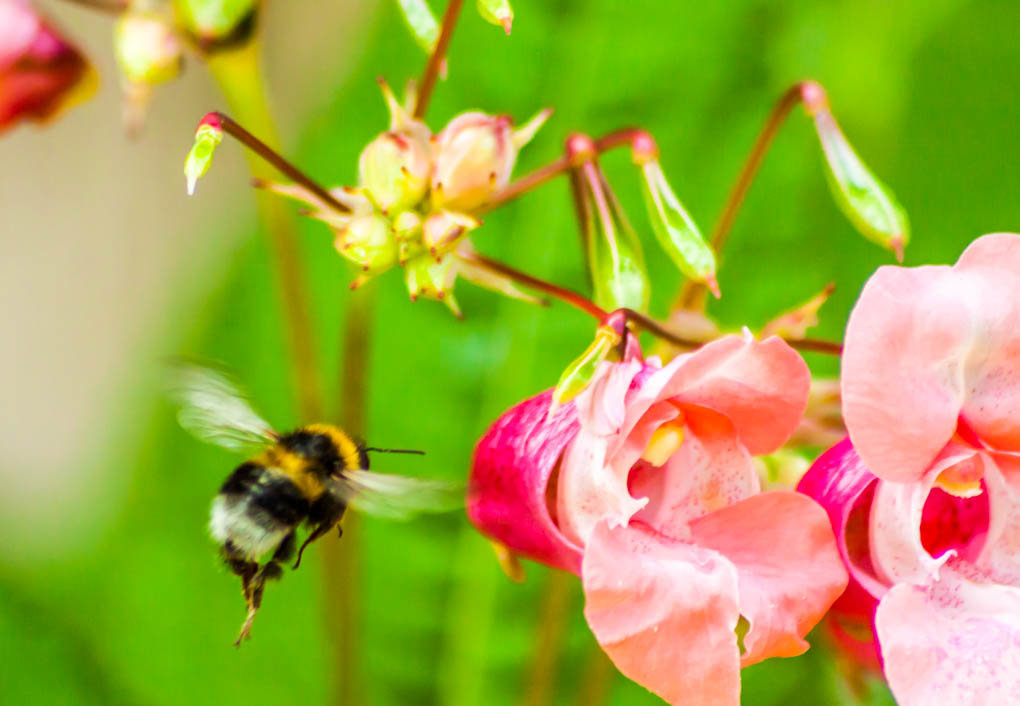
point(309, 477)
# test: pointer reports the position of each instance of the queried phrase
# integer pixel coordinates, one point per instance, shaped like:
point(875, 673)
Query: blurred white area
point(95, 234)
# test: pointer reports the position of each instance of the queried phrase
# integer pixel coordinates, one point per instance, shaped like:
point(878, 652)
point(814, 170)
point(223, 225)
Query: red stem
point(693, 294)
point(618, 138)
point(267, 153)
point(428, 79)
point(111, 6)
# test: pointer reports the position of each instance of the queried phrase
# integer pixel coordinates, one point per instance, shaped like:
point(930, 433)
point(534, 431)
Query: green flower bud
point(207, 136)
point(498, 12)
point(421, 22)
point(442, 230)
point(394, 170)
point(368, 241)
point(675, 230)
point(578, 375)
point(865, 200)
point(211, 20)
point(147, 48)
point(433, 280)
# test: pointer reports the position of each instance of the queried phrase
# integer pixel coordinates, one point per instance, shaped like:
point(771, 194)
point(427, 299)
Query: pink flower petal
point(665, 613)
point(710, 471)
point(842, 484)
point(955, 642)
point(1000, 556)
point(509, 481)
point(927, 345)
point(788, 567)
point(897, 550)
point(762, 386)
point(601, 406)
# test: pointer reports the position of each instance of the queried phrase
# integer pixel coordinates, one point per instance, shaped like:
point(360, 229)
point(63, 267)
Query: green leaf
point(676, 230)
point(421, 22)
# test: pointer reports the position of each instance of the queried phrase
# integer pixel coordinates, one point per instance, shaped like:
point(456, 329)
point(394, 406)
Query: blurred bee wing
point(396, 497)
point(213, 408)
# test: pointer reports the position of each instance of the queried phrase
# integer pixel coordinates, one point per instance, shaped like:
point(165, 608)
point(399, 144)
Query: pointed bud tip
point(507, 22)
point(192, 182)
point(713, 286)
point(897, 245)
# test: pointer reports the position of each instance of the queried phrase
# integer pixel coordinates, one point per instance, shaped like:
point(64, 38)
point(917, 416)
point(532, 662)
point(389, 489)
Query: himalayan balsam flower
point(645, 487)
point(925, 494)
point(38, 69)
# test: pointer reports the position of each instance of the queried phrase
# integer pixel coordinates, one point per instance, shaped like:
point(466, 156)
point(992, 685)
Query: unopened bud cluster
point(419, 191)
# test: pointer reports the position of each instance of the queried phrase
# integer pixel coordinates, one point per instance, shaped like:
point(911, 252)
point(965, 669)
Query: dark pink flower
point(926, 501)
point(645, 487)
point(38, 69)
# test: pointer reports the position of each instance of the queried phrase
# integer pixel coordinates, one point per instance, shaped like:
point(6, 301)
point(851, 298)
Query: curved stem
point(557, 292)
point(274, 158)
point(625, 137)
point(428, 79)
point(693, 294)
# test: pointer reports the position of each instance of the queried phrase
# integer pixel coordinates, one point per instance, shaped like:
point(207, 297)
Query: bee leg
point(253, 583)
point(320, 530)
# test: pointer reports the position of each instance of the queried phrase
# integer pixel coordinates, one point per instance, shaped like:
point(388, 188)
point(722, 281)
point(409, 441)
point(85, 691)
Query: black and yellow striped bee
point(307, 477)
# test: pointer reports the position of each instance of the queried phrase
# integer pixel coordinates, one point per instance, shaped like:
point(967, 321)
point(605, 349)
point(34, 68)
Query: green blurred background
point(110, 590)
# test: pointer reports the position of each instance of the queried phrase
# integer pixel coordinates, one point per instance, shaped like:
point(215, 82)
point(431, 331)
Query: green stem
point(342, 558)
point(238, 74)
point(539, 685)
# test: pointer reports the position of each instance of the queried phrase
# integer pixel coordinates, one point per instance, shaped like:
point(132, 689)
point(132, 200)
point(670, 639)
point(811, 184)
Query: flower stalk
point(428, 80)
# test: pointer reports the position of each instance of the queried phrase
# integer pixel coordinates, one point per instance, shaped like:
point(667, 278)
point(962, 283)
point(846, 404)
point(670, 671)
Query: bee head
point(317, 448)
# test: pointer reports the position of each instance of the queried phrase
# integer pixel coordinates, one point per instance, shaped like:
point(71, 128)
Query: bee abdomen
point(256, 509)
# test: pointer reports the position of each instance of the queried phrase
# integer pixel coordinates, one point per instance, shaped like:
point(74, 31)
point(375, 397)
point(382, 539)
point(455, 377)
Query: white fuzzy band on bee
point(249, 529)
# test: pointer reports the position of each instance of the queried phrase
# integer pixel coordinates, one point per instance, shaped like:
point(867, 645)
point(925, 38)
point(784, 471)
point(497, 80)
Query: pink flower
point(644, 486)
point(38, 68)
point(926, 500)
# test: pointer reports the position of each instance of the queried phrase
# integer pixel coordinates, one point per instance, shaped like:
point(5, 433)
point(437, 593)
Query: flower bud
point(675, 230)
point(614, 253)
point(368, 241)
point(498, 12)
point(147, 48)
point(40, 72)
point(394, 169)
point(434, 280)
point(421, 22)
point(443, 229)
point(579, 373)
point(474, 157)
point(207, 136)
point(865, 200)
point(214, 20)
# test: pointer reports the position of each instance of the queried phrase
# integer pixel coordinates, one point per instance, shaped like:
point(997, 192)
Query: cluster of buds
point(419, 196)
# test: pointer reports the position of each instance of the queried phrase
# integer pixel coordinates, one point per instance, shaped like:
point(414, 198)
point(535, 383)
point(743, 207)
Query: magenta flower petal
point(664, 611)
point(788, 567)
point(954, 641)
point(840, 481)
point(929, 346)
point(510, 475)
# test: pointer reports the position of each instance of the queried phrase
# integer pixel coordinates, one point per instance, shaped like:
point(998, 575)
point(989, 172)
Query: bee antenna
point(395, 451)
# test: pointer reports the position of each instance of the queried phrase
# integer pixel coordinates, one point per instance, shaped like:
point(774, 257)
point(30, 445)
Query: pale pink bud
point(443, 229)
point(474, 157)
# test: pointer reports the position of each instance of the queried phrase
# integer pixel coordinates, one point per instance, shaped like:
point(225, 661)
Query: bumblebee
point(304, 478)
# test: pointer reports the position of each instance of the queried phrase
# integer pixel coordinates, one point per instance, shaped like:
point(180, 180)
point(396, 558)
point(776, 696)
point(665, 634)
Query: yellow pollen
point(665, 441)
point(962, 480)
